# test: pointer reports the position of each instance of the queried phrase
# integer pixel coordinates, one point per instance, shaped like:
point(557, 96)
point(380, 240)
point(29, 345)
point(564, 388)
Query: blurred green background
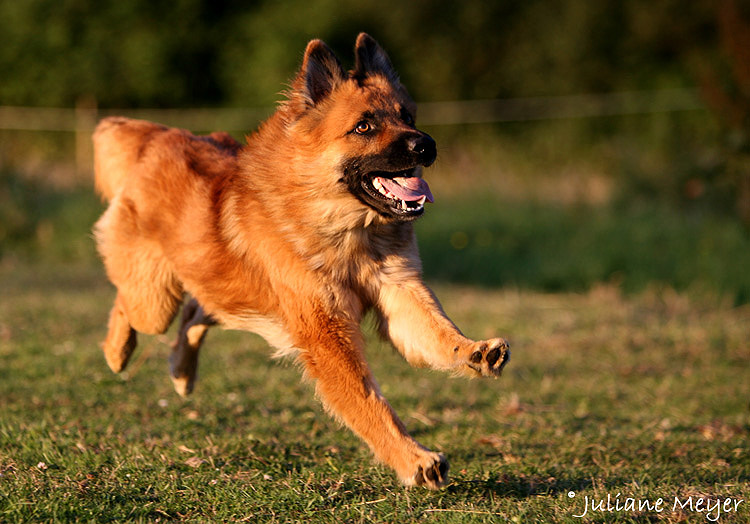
point(579, 142)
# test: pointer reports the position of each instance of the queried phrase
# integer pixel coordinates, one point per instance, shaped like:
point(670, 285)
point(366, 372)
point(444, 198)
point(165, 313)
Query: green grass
point(629, 375)
point(644, 395)
point(488, 242)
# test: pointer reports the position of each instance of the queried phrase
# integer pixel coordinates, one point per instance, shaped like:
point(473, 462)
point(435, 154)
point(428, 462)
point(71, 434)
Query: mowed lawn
point(635, 397)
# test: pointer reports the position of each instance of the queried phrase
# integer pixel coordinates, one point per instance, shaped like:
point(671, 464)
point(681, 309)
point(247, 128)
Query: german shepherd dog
point(294, 235)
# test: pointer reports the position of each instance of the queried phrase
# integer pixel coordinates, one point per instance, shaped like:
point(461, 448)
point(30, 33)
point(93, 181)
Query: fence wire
point(430, 113)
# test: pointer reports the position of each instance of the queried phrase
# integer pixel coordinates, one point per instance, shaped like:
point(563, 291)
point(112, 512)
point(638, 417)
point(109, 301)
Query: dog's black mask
point(390, 182)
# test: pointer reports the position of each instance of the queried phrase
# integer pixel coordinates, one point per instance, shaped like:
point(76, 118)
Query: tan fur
point(265, 237)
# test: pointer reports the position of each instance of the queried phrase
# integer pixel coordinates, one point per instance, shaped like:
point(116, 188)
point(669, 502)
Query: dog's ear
point(371, 59)
point(320, 73)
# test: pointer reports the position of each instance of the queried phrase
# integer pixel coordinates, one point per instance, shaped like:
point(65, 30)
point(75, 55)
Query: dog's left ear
point(320, 73)
point(371, 59)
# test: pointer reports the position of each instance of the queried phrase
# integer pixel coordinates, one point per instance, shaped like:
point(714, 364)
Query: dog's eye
point(407, 118)
point(363, 127)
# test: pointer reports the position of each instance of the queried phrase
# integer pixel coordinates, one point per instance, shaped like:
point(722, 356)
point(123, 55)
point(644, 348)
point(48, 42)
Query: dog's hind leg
point(144, 303)
point(183, 362)
point(121, 338)
point(148, 292)
point(152, 317)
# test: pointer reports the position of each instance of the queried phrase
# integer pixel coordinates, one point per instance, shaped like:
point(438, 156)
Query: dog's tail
point(118, 143)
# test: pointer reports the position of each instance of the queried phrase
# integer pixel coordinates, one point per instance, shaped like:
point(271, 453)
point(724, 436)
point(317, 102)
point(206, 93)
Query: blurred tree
point(725, 82)
point(136, 53)
point(160, 53)
point(179, 53)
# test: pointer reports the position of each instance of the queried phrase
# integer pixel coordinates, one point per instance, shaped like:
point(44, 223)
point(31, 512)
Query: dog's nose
point(425, 149)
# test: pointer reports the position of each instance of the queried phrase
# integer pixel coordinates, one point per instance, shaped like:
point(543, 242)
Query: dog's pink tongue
point(408, 188)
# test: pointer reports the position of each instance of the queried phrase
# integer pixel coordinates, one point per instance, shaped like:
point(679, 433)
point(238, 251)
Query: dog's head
point(364, 122)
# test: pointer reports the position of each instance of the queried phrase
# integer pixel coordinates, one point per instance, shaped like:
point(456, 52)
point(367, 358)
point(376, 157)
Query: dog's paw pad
point(433, 474)
point(489, 357)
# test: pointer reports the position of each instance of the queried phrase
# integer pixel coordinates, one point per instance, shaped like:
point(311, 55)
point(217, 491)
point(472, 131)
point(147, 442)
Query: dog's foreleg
point(412, 318)
point(332, 356)
point(183, 362)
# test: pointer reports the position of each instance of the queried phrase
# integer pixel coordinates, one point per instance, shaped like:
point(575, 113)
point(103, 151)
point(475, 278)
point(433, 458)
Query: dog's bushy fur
point(294, 235)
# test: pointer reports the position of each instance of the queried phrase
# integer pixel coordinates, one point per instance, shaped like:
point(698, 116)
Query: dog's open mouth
point(403, 192)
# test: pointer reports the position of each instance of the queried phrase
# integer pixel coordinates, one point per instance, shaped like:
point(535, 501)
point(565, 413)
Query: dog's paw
point(431, 472)
point(183, 385)
point(487, 357)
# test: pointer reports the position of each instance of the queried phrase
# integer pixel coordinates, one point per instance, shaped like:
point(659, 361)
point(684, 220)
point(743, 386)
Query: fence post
point(85, 121)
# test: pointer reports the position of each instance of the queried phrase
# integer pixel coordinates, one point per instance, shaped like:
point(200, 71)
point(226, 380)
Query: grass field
point(637, 392)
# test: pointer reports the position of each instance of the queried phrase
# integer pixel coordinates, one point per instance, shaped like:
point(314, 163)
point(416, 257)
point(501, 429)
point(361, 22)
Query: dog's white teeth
point(398, 203)
point(381, 188)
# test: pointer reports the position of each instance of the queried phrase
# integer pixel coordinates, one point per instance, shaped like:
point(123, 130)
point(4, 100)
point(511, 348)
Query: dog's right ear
point(320, 73)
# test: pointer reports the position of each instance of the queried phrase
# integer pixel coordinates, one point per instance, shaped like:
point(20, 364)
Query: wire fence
point(559, 107)
point(82, 119)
